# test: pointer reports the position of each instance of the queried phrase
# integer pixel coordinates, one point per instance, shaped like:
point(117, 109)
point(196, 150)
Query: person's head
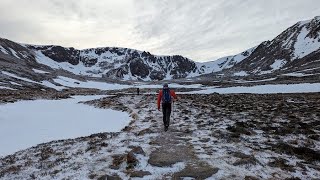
point(165, 86)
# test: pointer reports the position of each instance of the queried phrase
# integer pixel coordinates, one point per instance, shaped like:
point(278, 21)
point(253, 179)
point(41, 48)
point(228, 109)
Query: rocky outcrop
point(59, 53)
point(139, 68)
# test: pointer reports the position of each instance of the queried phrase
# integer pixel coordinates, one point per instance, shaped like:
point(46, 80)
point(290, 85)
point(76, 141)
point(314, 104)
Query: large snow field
point(27, 123)
point(262, 89)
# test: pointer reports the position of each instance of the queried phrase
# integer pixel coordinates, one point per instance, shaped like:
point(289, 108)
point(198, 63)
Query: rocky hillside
point(114, 62)
point(295, 52)
point(224, 62)
point(108, 62)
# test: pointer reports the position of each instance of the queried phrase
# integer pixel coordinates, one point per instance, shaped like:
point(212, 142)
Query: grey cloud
point(200, 30)
point(217, 26)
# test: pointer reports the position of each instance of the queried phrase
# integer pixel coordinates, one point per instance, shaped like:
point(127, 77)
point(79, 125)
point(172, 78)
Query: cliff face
point(119, 63)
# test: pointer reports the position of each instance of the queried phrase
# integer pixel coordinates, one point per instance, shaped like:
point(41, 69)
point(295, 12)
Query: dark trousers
point(166, 110)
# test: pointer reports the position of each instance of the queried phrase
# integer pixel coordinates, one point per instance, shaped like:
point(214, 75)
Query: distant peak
point(301, 23)
point(317, 18)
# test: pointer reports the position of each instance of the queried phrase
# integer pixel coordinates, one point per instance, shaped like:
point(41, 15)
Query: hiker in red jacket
point(165, 96)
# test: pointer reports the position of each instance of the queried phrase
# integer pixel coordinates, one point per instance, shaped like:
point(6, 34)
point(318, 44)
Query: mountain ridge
point(294, 52)
point(298, 44)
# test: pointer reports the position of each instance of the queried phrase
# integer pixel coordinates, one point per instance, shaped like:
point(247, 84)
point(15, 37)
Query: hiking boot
point(166, 128)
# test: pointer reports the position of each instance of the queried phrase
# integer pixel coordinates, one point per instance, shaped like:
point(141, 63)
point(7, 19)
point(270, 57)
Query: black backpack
point(166, 96)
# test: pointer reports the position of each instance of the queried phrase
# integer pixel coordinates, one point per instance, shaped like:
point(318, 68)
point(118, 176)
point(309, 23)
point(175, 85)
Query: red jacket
point(172, 93)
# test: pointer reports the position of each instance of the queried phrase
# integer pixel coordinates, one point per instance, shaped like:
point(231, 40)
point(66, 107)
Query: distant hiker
point(138, 91)
point(165, 96)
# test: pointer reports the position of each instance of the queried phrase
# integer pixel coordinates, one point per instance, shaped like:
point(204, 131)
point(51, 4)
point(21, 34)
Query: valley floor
point(239, 136)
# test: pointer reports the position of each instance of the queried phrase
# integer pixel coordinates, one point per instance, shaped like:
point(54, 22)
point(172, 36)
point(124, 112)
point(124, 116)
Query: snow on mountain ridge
point(224, 62)
point(298, 47)
point(113, 62)
point(299, 42)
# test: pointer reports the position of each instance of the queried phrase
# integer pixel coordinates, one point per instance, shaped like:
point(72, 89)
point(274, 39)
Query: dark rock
point(117, 160)
point(10, 170)
point(132, 161)
point(145, 131)
point(167, 156)
point(157, 75)
point(183, 67)
point(137, 150)
point(139, 173)
point(198, 171)
point(250, 178)
point(89, 62)
point(204, 140)
point(240, 128)
point(301, 152)
point(61, 54)
point(282, 164)
point(109, 177)
point(293, 178)
point(244, 159)
point(139, 68)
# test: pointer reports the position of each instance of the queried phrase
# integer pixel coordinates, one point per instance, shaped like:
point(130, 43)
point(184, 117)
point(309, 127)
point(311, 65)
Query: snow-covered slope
point(115, 62)
point(224, 63)
point(106, 62)
point(297, 50)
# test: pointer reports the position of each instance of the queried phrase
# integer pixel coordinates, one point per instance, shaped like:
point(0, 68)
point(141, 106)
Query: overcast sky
point(198, 29)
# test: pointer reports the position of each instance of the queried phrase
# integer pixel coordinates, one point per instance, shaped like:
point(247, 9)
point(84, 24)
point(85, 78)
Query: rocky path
point(210, 136)
point(169, 154)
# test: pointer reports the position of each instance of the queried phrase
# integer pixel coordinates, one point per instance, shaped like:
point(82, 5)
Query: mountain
point(107, 62)
point(293, 53)
point(224, 62)
point(296, 51)
point(115, 62)
point(112, 62)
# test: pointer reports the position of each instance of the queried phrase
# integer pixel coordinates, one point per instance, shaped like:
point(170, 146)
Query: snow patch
point(17, 77)
point(39, 71)
point(241, 73)
point(44, 83)
point(277, 64)
point(14, 83)
point(50, 85)
point(42, 121)
point(14, 53)
point(295, 74)
point(69, 82)
point(253, 81)
point(224, 62)
point(3, 87)
point(305, 45)
point(172, 85)
point(3, 50)
point(263, 89)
